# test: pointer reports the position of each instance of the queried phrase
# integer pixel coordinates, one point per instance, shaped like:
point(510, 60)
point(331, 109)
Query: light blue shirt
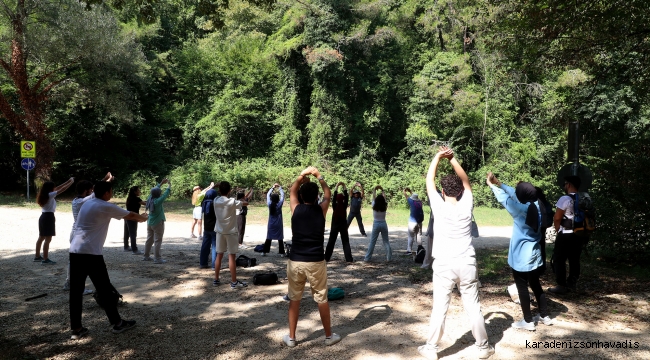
point(524, 253)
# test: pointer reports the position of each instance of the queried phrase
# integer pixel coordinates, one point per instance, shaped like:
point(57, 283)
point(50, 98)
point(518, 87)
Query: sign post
point(28, 153)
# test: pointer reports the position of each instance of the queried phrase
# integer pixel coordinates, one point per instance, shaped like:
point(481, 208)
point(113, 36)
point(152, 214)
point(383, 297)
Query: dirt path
point(181, 315)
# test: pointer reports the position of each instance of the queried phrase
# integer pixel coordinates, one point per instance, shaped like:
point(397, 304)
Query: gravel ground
point(181, 315)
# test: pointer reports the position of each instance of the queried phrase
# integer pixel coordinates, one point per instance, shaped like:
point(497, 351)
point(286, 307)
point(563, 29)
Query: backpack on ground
point(335, 294)
point(420, 254)
point(245, 261)
point(419, 213)
point(107, 298)
point(269, 278)
point(259, 248)
point(584, 219)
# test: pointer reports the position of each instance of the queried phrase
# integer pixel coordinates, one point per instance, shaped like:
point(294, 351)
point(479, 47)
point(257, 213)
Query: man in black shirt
point(307, 260)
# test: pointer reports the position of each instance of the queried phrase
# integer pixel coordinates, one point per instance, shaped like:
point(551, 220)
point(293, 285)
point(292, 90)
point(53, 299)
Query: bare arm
point(135, 217)
point(405, 191)
point(63, 187)
point(293, 192)
point(249, 195)
point(327, 193)
point(431, 176)
point(557, 219)
point(360, 187)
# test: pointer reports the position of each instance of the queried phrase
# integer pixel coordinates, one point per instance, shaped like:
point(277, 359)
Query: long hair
point(273, 207)
point(195, 195)
point(132, 196)
point(380, 204)
point(43, 194)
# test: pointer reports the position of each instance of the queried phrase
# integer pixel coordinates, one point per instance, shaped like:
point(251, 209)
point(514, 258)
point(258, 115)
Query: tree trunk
point(29, 122)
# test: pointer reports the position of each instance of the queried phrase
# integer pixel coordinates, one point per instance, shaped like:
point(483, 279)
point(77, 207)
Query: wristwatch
point(321, 177)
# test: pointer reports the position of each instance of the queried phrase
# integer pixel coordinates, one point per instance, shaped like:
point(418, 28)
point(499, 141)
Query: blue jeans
point(209, 239)
point(377, 228)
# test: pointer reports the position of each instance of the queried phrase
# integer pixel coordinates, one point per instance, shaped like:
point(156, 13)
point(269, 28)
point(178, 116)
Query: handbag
point(245, 261)
point(474, 228)
point(269, 278)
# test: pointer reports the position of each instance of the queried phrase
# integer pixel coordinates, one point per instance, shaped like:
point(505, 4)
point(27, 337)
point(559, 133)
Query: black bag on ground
point(259, 248)
point(270, 278)
point(245, 261)
point(287, 250)
point(420, 254)
point(104, 298)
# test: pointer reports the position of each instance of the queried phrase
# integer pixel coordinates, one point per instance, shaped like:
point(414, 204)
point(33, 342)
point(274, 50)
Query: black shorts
point(46, 224)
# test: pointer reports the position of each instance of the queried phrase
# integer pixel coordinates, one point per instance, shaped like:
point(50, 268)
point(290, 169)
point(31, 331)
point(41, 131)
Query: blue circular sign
point(28, 164)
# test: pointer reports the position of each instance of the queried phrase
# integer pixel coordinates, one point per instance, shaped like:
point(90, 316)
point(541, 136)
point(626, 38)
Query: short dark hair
point(452, 185)
point(224, 187)
point(83, 186)
point(102, 187)
point(240, 195)
point(309, 192)
point(573, 180)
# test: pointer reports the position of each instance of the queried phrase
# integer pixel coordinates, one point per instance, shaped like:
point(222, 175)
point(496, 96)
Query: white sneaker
point(192, 236)
point(159, 261)
point(522, 324)
point(428, 352)
point(289, 341)
point(546, 320)
point(332, 339)
point(486, 352)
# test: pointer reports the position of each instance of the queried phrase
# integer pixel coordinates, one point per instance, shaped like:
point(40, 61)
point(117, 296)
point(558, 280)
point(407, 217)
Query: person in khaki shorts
point(307, 259)
point(225, 210)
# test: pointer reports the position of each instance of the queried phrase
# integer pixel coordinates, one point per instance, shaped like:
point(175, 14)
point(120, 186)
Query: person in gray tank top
point(355, 207)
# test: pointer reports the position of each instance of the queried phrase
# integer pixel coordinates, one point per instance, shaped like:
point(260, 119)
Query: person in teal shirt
point(524, 255)
point(156, 221)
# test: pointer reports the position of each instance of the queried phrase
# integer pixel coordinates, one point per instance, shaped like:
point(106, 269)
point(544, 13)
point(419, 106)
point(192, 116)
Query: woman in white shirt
point(46, 223)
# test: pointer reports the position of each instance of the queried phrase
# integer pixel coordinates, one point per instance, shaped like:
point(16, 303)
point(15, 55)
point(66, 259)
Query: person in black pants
point(339, 224)
point(87, 260)
point(133, 203)
point(567, 246)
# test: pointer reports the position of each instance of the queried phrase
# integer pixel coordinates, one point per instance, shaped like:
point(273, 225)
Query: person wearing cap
point(355, 207)
point(156, 221)
point(197, 214)
point(416, 217)
point(567, 246)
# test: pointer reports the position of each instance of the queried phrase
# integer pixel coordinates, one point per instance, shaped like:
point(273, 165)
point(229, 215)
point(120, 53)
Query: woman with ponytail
point(524, 255)
point(275, 229)
point(46, 223)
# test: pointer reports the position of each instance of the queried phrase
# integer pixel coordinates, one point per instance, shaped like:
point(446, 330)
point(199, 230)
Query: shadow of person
point(364, 319)
point(497, 323)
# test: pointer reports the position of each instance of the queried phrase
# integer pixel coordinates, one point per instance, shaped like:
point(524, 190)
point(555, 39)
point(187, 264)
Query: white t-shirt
point(452, 228)
point(76, 206)
point(50, 205)
point(378, 215)
point(92, 226)
point(566, 203)
point(225, 209)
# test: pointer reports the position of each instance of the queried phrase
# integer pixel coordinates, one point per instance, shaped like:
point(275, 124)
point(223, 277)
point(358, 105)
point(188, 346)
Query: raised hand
point(446, 152)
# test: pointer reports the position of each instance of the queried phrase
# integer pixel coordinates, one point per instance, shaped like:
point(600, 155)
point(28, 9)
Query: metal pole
point(27, 185)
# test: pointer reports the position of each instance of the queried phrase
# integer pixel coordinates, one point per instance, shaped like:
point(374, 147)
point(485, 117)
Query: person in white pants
point(455, 258)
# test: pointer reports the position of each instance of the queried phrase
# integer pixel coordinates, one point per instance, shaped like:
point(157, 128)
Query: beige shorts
point(315, 272)
point(228, 242)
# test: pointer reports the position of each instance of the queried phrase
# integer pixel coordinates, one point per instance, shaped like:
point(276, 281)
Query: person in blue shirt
point(524, 255)
point(416, 217)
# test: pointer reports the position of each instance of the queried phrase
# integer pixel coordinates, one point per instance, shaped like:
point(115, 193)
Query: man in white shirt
point(567, 247)
point(225, 210)
point(454, 256)
point(87, 260)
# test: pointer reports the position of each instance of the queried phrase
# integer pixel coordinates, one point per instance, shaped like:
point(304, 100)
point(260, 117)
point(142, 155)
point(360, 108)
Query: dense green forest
point(251, 90)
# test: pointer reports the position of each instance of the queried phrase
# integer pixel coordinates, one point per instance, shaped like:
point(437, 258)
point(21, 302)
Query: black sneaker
point(38, 259)
point(76, 335)
point(123, 326)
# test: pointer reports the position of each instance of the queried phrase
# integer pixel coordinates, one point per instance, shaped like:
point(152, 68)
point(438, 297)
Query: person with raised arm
point(47, 222)
point(156, 221)
point(87, 260)
point(355, 207)
point(379, 226)
point(455, 258)
point(339, 224)
point(524, 254)
point(241, 215)
point(307, 260)
point(197, 214)
point(416, 217)
point(275, 228)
